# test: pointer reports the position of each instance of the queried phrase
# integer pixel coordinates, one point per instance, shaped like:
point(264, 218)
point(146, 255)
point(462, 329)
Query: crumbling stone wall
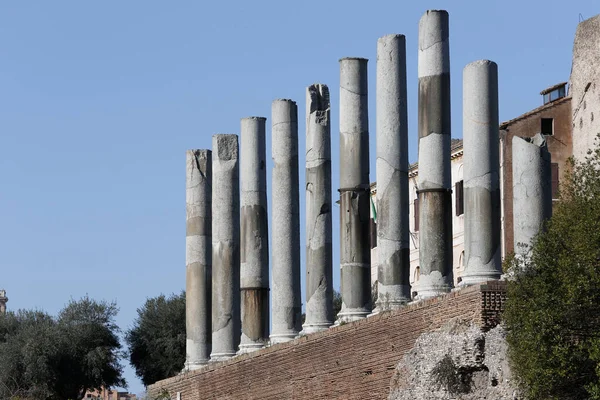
point(458, 361)
point(351, 361)
point(585, 85)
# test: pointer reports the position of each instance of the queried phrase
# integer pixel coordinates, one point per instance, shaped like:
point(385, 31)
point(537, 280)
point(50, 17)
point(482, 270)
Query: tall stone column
point(3, 301)
point(481, 138)
point(198, 258)
point(225, 247)
point(532, 189)
point(286, 300)
point(254, 252)
point(319, 281)
point(392, 175)
point(355, 252)
point(434, 183)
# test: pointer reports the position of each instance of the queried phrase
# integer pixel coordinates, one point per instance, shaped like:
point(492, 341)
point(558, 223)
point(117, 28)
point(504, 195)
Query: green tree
point(157, 339)
point(553, 304)
point(60, 358)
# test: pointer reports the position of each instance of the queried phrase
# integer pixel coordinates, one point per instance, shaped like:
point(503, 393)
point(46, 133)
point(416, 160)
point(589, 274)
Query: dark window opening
point(373, 229)
point(547, 127)
point(416, 208)
point(554, 180)
point(459, 198)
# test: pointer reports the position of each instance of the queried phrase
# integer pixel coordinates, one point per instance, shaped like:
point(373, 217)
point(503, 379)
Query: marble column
point(319, 281)
point(392, 175)
point(481, 138)
point(225, 247)
point(355, 251)
point(532, 189)
point(254, 246)
point(198, 280)
point(434, 180)
point(286, 309)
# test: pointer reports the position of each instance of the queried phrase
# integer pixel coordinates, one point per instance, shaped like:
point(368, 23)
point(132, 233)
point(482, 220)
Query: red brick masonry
point(352, 361)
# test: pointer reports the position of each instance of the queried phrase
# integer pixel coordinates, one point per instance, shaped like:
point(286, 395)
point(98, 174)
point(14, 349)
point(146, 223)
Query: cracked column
point(254, 246)
point(355, 252)
point(286, 300)
point(319, 283)
point(225, 247)
point(532, 189)
point(434, 185)
point(392, 174)
point(481, 137)
point(198, 258)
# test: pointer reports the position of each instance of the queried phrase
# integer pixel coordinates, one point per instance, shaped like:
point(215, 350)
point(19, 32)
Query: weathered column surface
point(254, 246)
point(286, 299)
point(225, 247)
point(198, 255)
point(355, 252)
point(392, 174)
point(435, 202)
point(319, 281)
point(481, 137)
point(532, 189)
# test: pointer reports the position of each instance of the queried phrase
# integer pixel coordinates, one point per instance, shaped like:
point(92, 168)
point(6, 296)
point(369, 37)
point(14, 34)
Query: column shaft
point(532, 189)
point(481, 138)
point(392, 174)
point(434, 183)
point(225, 247)
point(286, 298)
point(355, 252)
point(254, 246)
point(319, 283)
point(198, 258)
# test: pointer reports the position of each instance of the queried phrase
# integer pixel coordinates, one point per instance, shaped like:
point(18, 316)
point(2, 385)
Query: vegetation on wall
point(57, 358)
point(553, 307)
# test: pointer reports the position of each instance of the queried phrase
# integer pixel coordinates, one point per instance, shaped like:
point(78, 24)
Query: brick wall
point(352, 361)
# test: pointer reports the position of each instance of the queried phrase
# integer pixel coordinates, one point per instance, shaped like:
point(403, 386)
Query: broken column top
point(392, 36)
point(354, 59)
point(319, 97)
point(285, 101)
point(255, 118)
point(538, 141)
point(225, 146)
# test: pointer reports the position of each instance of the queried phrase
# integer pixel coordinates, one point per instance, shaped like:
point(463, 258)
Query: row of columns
point(228, 253)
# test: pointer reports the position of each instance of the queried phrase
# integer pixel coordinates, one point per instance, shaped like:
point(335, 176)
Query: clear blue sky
point(99, 101)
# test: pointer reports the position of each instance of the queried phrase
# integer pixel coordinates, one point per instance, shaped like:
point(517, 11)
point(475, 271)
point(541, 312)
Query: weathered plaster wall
point(585, 85)
point(351, 361)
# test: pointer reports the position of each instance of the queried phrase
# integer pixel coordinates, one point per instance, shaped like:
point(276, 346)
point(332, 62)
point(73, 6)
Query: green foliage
point(157, 339)
point(553, 307)
point(337, 303)
point(60, 358)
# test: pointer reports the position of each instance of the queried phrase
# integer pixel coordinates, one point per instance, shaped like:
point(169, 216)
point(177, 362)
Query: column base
point(474, 279)
point(427, 293)
point(307, 329)
point(351, 315)
point(194, 366)
point(282, 337)
point(218, 357)
point(250, 347)
point(388, 306)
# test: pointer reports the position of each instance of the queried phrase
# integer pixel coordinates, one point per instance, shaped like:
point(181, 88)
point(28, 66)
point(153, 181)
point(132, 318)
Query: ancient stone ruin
point(227, 246)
